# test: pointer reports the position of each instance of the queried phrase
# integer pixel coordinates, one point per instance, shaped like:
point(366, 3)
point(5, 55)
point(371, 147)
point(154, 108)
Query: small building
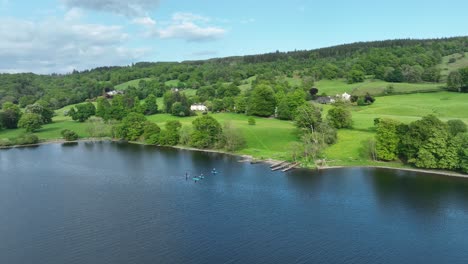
point(325, 100)
point(198, 107)
point(344, 97)
point(113, 93)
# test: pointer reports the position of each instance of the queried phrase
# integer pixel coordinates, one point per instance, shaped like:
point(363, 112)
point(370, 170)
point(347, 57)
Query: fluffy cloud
point(57, 45)
point(133, 8)
point(189, 27)
point(144, 21)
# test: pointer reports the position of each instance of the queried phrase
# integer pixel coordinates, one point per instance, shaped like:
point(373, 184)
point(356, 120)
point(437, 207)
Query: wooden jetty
point(280, 166)
point(277, 164)
point(290, 167)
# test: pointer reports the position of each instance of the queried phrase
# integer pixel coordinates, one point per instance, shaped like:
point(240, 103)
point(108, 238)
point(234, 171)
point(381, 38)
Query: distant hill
point(403, 60)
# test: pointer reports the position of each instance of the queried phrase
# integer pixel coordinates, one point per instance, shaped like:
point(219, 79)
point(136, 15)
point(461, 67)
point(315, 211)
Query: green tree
point(340, 117)
point(83, 112)
point(308, 117)
point(288, 104)
point(456, 126)
point(45, 113)
point(454, 81)
point(31, 122)
point(462, 141)
point(464, 79)
point(151, 105)
point(103, 108)
point(262, 101)
point(132, 127)
point(425, 143)
point(118, 109)
point(355, 76)
point(206, 132)
point(170, 136)
point(11, 114)
point(387, 139)
point(151, 133)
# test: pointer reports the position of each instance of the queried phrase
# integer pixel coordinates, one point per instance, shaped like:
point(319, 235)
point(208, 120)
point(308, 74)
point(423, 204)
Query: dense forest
point(403, 60)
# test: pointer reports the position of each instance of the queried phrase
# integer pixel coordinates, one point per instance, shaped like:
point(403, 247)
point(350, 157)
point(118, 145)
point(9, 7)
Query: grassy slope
point(134, 83)
point(374, 87)
point(405, 108)
point(447, 67)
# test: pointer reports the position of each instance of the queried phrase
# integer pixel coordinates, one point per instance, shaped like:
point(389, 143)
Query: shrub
point(26, 139)
point(69, 135)
point(5, 142)
point(252, 121)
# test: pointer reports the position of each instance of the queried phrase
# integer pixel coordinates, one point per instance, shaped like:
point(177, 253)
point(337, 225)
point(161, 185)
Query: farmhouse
point(344, 97)
point(325, 100)
point(113, 93)
point(198, 107)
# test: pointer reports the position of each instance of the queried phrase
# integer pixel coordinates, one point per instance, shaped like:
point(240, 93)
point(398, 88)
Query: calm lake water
point(119, 203)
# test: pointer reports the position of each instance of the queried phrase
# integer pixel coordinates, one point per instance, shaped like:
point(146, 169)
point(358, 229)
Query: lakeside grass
point(272, 138)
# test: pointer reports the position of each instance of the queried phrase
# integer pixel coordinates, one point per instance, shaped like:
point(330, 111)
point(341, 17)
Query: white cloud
point(60, 45)
point(144, 21)
point(188, 26)
point(74, 14)
point(129, 8)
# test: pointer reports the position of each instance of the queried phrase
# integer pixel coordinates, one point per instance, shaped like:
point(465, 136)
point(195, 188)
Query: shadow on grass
point(48, 129)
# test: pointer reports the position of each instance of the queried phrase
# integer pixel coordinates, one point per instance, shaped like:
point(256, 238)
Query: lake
point(118, 203)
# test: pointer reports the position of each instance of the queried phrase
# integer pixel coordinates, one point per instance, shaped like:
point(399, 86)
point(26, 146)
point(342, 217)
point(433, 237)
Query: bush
point(27, 139)
point(252, 121)
point(69, 135)
point(5, 142)
point(361, 101)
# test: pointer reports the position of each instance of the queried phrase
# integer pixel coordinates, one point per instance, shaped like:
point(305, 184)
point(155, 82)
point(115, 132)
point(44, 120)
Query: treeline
point(204, 133)
point(427, 143)
point(392, 60)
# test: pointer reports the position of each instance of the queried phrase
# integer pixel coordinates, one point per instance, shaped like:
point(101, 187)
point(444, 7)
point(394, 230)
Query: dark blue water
point(117, 203)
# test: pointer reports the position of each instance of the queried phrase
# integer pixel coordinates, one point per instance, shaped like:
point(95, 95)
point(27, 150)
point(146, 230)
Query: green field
point(269, 138)
point(134, 83)
point(272, 138)
point(406, 108)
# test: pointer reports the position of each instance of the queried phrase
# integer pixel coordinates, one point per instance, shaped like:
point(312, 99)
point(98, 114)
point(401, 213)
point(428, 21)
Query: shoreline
point(427, 171)
point(245, 158)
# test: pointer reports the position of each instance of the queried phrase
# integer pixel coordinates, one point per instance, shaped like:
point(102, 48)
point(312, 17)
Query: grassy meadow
point(272, 138)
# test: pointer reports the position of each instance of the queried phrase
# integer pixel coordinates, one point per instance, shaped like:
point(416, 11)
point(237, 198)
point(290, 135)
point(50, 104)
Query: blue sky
point(62, 35)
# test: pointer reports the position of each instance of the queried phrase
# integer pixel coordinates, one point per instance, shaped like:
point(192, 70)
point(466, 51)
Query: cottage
point(345, 97)
point(325, 100)
point(113, 93)
point(198, 107)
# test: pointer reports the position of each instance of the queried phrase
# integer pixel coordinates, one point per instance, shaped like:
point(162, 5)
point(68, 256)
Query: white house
point(198, 107)
point(344, 97)
point(113, 93)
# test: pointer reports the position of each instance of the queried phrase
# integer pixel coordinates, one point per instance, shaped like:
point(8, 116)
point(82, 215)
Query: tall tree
point(262, 101)
point(206, 132)
point(31, 122)
point(11, 115)
point(387, 139)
